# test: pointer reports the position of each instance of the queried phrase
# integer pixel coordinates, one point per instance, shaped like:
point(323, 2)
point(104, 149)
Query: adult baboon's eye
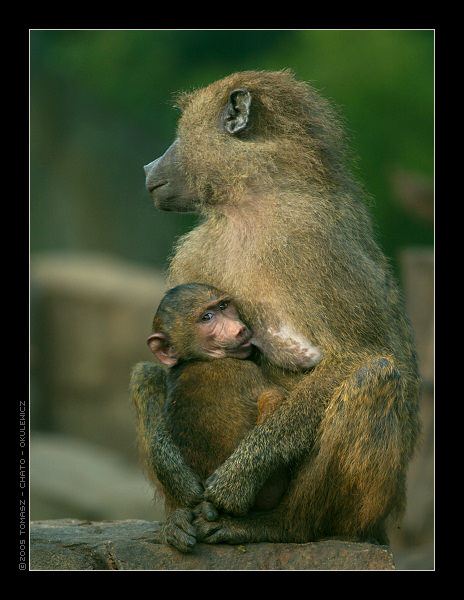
point(223, 305)
point(207, 316)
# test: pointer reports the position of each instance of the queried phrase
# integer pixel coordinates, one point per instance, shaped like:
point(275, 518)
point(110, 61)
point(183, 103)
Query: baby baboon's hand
point(179, 532)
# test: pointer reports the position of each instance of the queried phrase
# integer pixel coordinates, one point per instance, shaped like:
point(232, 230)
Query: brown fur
point(286, 231)
point(210, 407)
point(211, 403)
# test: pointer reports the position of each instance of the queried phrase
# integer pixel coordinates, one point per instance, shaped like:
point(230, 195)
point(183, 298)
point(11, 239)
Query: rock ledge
point(71, 544)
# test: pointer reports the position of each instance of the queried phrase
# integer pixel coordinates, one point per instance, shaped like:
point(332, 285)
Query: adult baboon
point(262, 157)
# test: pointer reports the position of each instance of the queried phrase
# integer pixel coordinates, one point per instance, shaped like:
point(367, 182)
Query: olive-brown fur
point(287, 232)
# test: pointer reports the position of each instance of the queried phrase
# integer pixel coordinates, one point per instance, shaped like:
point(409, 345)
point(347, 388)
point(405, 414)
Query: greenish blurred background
point(100, 109)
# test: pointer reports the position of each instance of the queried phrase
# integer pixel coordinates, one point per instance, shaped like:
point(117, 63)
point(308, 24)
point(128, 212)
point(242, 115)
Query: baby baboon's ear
point(162, 349)
point(237, 111)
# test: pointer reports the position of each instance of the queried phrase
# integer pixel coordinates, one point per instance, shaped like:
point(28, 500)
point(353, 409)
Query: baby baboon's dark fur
point(211, 403)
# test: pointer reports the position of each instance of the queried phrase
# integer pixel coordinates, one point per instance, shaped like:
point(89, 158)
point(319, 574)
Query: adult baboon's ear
point(237, 111)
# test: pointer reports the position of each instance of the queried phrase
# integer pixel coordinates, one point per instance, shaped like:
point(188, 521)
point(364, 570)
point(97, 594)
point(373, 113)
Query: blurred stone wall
point(418, 275)
point(90, 317)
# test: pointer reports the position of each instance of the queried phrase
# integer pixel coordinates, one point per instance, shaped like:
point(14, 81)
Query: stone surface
point(71, 544)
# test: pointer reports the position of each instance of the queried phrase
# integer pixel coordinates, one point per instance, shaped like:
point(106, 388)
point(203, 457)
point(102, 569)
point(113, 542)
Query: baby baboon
point(210, 404)
point(213, 396)
point(285, 229)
